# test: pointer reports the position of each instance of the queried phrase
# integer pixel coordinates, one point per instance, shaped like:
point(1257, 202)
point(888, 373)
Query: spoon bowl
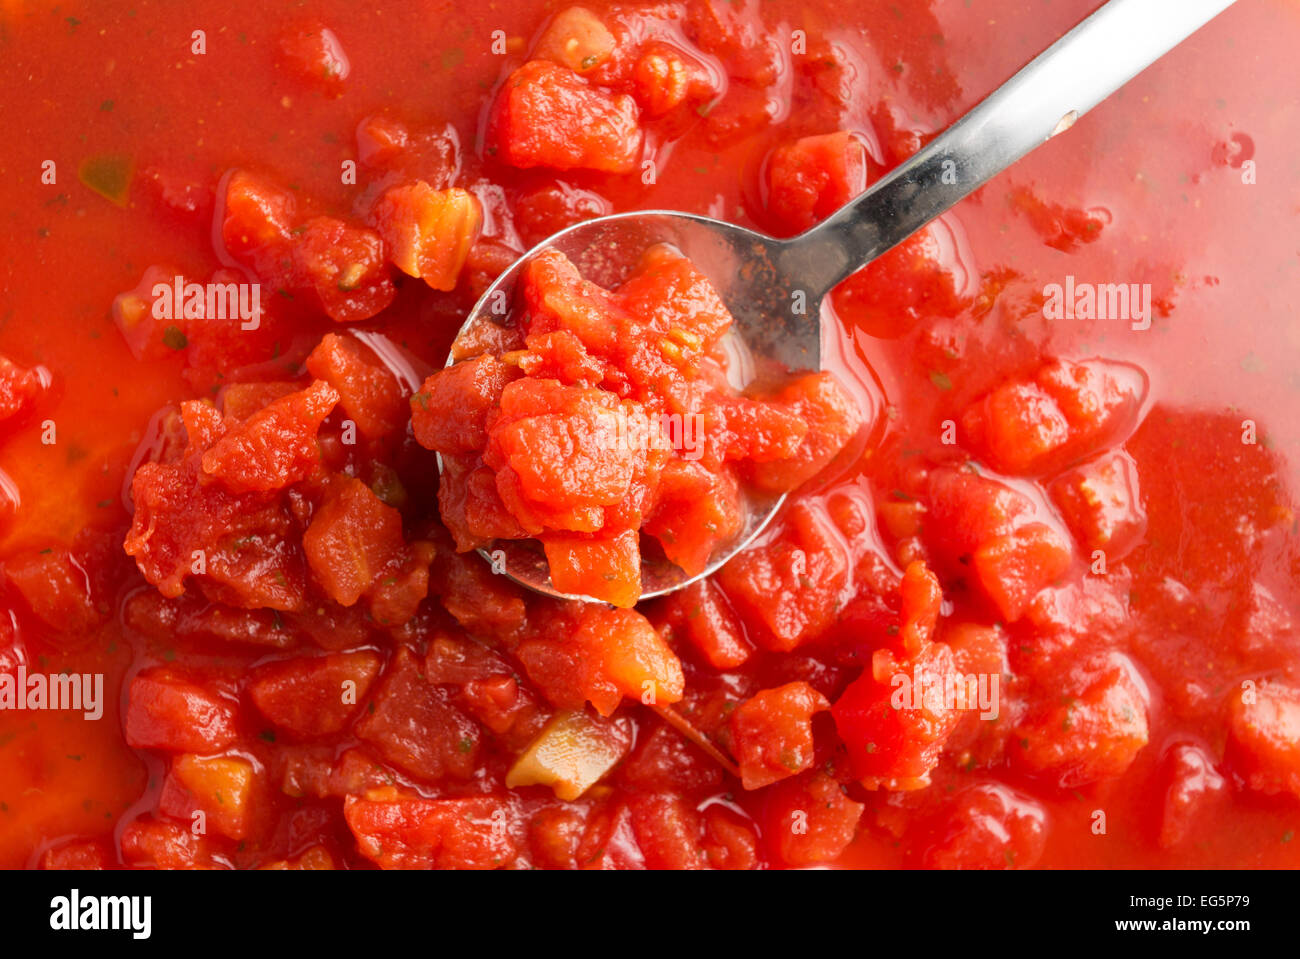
point(773, 319)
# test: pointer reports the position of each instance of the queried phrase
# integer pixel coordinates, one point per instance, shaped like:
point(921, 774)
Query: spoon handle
point(1068, 79)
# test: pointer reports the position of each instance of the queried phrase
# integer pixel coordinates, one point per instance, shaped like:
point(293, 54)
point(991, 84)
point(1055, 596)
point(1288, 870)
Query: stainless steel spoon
point(774, 288)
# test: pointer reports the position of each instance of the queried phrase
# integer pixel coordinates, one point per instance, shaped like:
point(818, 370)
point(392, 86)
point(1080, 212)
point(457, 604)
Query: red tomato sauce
point(1084, 525)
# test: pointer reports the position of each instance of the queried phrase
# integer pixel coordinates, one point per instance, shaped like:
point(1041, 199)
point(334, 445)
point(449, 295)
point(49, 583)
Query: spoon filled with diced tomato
point(627, 405)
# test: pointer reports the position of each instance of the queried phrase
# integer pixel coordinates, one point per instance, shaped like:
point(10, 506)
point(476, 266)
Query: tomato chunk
point(314, 697)
point(433, 833)
point(411, 724)
point(428, 232)
point(1265, 736)
point(812, 177)
point(548, 115)
point(809, 820)
point(275, 446)
point(166, 711)
point(895, 726)
point(771, 733)
point(599, 656)
point(368, 391)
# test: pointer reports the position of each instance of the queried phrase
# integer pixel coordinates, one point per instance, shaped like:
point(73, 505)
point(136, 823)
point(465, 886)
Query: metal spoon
point(774, 288)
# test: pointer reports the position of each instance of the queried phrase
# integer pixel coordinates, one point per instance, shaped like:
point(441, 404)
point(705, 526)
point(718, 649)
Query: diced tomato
point(667, 829)
point(547, 115)
point(791, 586)
point(313, 857)
point(473, 833)
point(1015, 568)
point(241, 400)
point(754, 430)
point(557, 455)
point(700, 612)
point(600, 655)
point(967, 510)
point(164, 845)
point(428, 232)
point(275, 446)
point(921, 278)
point(1090, 728)
point(313, 54)
point(812, 177)
point(58, 589)
point(344, 265)
point(665, 77)
point(609, 841)
point(1194, 788)
point(554, 834)
point(166, 711)
point(80, 855)
point(730, 840)
point(368, 391)
point(922, 600)
point(1066, 411)
point(257, 222)
point(1101, 503)
point(771, 733)
point(482, 602)
point(809, 820)
point(575, 38)
point(460, 660)
point(607, 568)
point(1264, 736)
point(353, 541)
point(551, 208)
point(505, 706)
point(696, 511)
point(223, 788)
point(666, 762)
point(317, 696)
point(410, 723)
point(895, 725)
point(450, 413)
point(667, 294)
point(236, 545)
point(989, 826)
point(559, 298)
point(832, 416)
